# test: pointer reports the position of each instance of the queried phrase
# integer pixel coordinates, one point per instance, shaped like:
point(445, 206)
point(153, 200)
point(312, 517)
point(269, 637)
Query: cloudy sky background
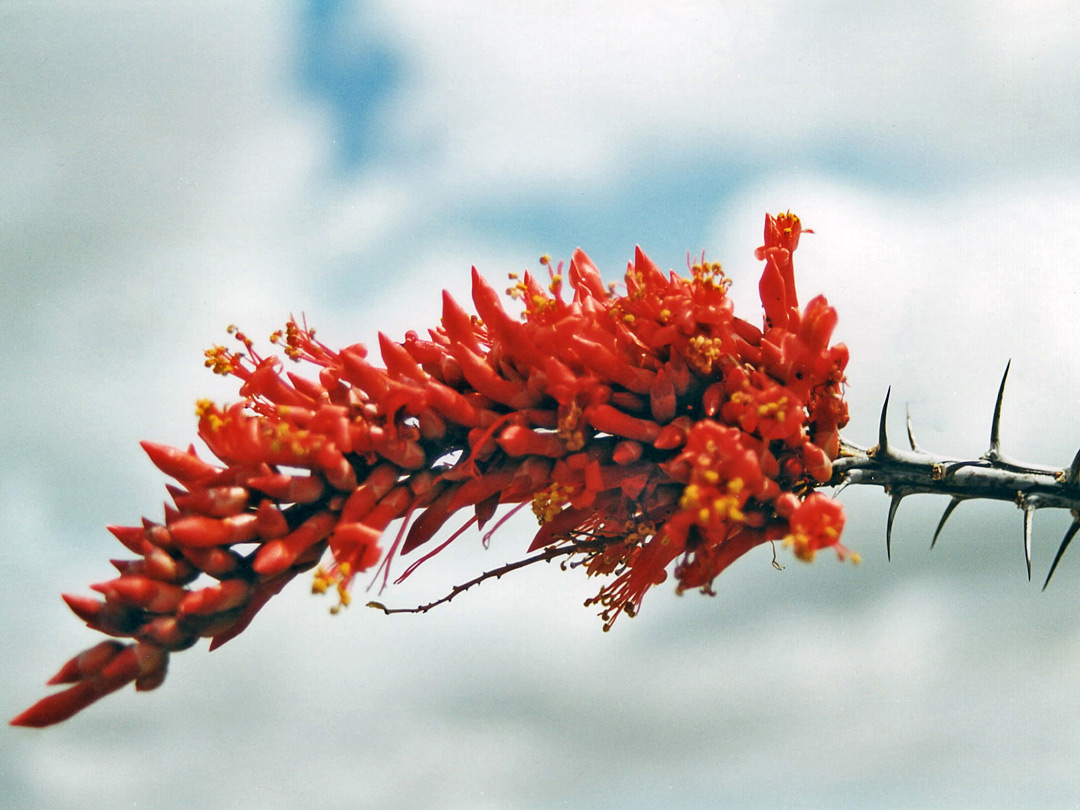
point(168, 172)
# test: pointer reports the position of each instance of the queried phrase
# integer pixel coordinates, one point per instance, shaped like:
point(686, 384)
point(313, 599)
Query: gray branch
point(902, 472)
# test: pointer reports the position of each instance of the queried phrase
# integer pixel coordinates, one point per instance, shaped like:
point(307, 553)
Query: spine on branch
point(992, 476)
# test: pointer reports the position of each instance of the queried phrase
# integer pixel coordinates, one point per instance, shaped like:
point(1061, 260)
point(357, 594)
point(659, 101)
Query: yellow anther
point(691, 497)
point(799, 543)
point(547, 503)
point(220, 360)
point(323, 580)
point(339, 577)
point(518, 291)
point(569, 430)
point(710, 275)
point(703, 351)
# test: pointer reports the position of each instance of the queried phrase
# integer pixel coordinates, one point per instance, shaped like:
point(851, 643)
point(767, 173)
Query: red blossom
point(653, 433)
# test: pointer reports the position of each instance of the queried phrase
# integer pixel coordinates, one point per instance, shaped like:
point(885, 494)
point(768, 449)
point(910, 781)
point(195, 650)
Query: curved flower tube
point(652, 432)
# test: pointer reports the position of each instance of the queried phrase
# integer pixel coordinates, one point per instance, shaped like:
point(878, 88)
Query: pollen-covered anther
point(801, 545)
point(547, 503)
point(344, 598)
point(711, 276)
point(221, 361)
point(338, 576)
point(517, 290)
point(703, 352)
point(638, 531)
point(569, 427)
point(710, 504)
point(774, 409)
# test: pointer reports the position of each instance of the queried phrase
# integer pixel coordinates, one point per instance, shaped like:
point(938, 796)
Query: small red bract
point(652, 431)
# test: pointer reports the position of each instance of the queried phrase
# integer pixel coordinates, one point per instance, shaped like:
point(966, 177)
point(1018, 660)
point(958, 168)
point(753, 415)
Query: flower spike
point(653, 433)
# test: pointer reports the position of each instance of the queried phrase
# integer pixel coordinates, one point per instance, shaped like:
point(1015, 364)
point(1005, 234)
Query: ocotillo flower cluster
point(652, 431)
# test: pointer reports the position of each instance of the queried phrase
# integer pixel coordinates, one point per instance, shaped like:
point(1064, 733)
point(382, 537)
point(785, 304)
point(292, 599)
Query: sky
point(168, 171)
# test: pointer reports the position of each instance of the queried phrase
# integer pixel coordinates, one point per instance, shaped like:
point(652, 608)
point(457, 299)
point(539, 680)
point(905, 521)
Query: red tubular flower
point(654, 434)
point(815, 524)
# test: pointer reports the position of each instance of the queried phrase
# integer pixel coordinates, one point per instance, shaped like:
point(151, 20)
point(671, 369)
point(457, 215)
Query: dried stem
point(547, 555)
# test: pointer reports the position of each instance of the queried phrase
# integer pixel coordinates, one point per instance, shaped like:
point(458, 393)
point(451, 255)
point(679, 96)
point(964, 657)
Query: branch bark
point(902, 472)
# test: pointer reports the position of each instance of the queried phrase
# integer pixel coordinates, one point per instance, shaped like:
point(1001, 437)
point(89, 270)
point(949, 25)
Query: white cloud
point(168, 182)
point(169, 162)
point(505, 95)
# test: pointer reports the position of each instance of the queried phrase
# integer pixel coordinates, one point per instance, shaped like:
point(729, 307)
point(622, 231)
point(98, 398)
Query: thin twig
point(548, 554)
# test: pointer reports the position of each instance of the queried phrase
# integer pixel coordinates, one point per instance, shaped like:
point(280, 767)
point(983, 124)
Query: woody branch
point(991, 476)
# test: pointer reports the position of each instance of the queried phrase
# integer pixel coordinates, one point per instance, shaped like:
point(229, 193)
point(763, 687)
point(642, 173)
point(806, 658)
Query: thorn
point(950, 469)
point(995, 427)
point(910, 435)
point(1073, 475)
point(955, 502)
point(883, 438)
point(842, 486)
point(1029, 513)
point(1061, 549)
point(894, 504)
